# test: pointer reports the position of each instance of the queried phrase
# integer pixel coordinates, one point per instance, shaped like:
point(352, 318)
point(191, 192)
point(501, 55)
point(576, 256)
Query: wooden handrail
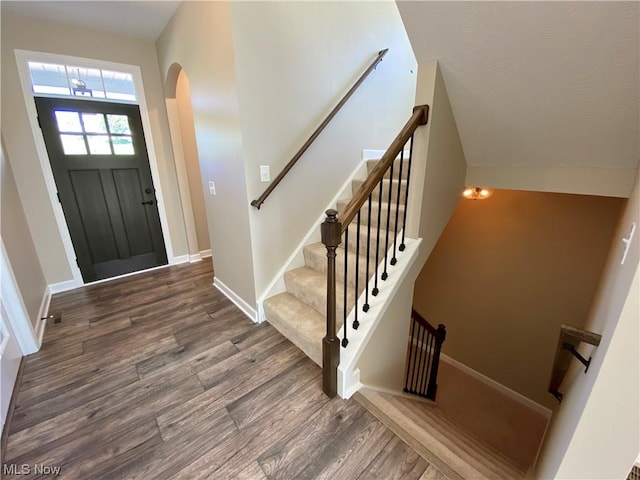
point(568, 341)
point(419, 117)
point(423, 321)
point(272, 186)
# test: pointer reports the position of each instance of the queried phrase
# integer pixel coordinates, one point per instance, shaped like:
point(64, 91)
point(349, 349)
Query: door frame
point(22, 59)
point(12, 302)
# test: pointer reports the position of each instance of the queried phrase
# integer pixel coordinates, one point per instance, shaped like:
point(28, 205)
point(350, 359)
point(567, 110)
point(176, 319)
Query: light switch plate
point(265, 175)
point(212, 187)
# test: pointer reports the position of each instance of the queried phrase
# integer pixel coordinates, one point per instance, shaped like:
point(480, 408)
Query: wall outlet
point(212, 187)
point(265, 175)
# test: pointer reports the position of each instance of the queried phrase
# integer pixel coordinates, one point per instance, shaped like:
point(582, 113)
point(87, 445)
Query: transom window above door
point(69, 80)
point(84, 133)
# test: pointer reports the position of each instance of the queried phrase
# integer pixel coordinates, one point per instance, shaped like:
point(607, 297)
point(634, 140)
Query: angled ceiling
point(141, 19)
point(537, 83)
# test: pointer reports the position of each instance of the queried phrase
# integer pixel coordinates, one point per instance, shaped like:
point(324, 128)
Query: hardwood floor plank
point(199, 355)
point(93, 462)
point(396, 461)
point(143, 399)
point(348, 453)
point(240, 376)
point(170, 457)
point(252, 472)
point(55, 402)
point(229, 458)
point(286, 458)
point(260, 401)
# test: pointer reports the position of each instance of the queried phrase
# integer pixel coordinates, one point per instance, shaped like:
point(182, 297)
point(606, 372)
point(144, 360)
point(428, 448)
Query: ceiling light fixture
point(476, 193)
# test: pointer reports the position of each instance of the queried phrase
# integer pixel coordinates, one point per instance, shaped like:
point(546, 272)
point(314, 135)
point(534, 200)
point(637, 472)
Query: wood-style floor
point(159, 376)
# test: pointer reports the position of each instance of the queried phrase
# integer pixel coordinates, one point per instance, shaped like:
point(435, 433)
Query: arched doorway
point(185, 151)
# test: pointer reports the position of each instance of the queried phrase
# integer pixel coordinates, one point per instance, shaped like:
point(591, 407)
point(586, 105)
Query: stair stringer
point(296, 259)
point(401, 276)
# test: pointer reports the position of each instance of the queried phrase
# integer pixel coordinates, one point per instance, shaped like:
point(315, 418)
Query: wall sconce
point(476, 193)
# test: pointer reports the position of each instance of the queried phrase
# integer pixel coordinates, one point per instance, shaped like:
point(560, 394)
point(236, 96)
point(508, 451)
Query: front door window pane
point(94, 123)
point(73, 144)
point(119, 124)
point(68, 121)
point(99, 144)
point(122, 145)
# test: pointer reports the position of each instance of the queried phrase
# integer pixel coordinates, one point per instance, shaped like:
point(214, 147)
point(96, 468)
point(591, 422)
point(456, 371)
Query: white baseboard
point(198, 257)
point(64, 286)
point(518, 397)
point(179, 259)
point(247, 309)
point(42, 313)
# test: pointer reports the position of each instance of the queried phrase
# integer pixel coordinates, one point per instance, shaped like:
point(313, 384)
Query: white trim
point(13, 303)
point(182, 176)
point(65, 286)
point(179, 259)
point(24, 56)
point(527, 402)
point(247, 309)
point(198, 257)
point(42, 313)
point(348, 373)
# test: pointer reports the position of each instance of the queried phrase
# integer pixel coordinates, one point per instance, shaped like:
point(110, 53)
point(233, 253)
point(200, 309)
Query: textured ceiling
point(537, 83)
point(142, 19)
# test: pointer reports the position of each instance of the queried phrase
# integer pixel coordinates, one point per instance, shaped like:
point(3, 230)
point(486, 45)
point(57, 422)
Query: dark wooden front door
point(101, 168)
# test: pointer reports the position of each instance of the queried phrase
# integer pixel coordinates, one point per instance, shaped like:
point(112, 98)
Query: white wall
point(594, 433)
point(294, 61)
point(34, 35)
point(199, 39)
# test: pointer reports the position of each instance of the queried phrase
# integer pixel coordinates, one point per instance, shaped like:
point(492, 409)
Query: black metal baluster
point(406, 195)
point(365, 307)
point(345, 325)
point(420, 364)
point(425, 383)
point(385, 275)
point(375, 290)
point(415, 360)
point(410, 364)
point(394, 260)
point(356, 323)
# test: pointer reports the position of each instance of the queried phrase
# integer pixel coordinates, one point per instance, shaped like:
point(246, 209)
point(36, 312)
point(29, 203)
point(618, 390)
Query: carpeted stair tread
point(342, 204)
point(297, 321)
point(396, 167)
point(310, 287)
point(315, 256)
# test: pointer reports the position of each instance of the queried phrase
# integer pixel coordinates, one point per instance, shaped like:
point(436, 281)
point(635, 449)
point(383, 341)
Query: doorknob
point(148, 202)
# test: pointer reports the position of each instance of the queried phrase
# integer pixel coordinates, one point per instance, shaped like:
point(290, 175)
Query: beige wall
point(294, 61)
point(507, 272)
point(19, 243)
point(594, 433)
point(439, 166)
point(192, 163)
point(29, 34)
point(199, 39)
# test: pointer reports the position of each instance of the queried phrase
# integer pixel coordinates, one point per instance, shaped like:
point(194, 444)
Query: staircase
point(299, 313)
point(438, 439)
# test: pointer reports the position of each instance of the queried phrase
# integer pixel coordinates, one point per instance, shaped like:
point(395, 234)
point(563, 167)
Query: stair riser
point(319, 263)
point(364, 214)
point(396, 168)
point(318, 300)
point(385, 190)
